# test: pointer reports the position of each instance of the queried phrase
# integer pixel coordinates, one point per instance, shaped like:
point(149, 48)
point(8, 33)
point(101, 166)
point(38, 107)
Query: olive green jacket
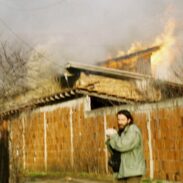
point(131, 147)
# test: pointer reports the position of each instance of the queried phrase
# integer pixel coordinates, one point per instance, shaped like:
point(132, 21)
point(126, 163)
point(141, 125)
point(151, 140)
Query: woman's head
point(124, 118)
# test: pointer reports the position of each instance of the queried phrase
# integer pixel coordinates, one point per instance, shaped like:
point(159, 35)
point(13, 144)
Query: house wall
point(71, 137)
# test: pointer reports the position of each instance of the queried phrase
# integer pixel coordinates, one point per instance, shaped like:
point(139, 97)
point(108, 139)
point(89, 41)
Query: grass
point(56, 175)
point(156, 181)
point(81, 175)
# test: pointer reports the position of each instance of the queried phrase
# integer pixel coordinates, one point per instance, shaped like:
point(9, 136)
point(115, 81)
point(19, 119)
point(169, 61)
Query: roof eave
point(106, 71)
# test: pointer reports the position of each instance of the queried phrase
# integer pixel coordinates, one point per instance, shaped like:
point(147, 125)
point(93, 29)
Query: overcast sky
point(86, 30)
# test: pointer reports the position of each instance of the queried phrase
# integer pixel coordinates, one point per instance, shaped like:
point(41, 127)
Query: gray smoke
point(87, 31)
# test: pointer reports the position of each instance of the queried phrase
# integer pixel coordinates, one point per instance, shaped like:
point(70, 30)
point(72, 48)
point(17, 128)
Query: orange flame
point(161, 60)
point(136, 46)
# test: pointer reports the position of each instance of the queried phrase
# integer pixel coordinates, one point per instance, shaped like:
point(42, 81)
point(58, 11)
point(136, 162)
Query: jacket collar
point(126, 128)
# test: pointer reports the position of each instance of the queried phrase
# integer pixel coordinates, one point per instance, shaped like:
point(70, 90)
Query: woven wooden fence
point(69, 138)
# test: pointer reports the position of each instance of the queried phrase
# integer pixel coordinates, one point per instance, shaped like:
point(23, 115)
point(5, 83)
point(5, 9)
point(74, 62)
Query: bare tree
point(12, 72)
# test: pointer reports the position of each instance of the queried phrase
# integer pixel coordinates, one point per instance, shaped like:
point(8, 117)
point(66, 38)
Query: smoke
point(88, 31)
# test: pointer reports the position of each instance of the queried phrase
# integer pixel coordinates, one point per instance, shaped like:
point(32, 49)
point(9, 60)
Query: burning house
point(47, 133)
point(138, 62)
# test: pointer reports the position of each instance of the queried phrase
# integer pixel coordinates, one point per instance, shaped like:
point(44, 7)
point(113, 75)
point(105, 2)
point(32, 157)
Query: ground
point(78, 180)
point(66, 180)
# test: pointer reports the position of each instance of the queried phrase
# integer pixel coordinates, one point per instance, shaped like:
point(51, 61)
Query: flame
point(162, 59)
point(164, 62)
point(120, 53)
point(136, 46)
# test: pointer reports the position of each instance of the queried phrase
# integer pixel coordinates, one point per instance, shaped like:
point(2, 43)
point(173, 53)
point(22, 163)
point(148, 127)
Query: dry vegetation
point(24, 75)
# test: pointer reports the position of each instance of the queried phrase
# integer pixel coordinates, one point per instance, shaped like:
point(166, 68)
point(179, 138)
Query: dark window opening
point(100, 103)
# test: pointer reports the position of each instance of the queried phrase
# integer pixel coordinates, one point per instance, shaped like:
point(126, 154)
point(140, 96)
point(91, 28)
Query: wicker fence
point(68, 137)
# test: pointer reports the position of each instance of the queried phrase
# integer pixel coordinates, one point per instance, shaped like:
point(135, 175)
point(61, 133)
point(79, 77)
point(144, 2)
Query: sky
point(86, 31)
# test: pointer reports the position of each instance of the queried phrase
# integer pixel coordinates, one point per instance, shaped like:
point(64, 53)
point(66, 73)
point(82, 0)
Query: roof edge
point(106, 71)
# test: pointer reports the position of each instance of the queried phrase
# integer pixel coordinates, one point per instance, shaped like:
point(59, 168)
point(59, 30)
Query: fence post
point(150, 145)
point(106, 154)
point(23, 141)
point(71, 138)
point(45, 142)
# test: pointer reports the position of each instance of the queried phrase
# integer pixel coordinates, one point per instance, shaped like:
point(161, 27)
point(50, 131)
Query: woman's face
point(122, 121)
